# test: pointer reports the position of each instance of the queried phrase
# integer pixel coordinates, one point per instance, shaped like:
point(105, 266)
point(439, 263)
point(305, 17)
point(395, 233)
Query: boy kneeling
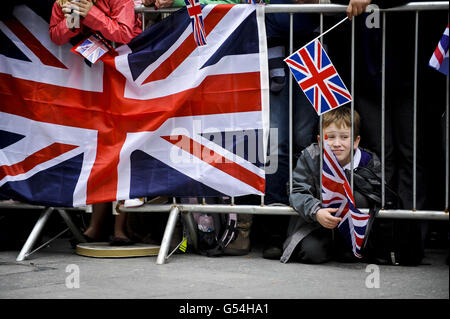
point(313, 236)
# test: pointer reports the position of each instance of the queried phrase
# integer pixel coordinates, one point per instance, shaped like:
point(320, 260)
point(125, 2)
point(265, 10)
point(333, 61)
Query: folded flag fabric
point(439, 59)
point(318, 78)
point(337, 193)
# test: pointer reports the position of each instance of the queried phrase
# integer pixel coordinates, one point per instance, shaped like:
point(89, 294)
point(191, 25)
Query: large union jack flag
point(161, 117)
point(337, 193)
point(318, 78)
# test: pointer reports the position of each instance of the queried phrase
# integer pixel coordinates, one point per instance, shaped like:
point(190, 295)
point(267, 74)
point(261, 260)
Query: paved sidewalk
point(47, 274)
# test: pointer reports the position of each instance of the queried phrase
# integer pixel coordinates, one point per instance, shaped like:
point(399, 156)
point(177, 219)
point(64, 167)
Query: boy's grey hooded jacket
point(305, 197)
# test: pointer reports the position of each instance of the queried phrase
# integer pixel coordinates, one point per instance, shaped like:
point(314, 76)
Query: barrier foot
point(170, 226)
point(25, 252)
point(73, 228)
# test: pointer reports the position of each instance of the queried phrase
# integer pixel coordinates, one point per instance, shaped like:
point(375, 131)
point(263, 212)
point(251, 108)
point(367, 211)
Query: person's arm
point(118, 26)
point(303, 198)
point(58, 29)
point(304, 191)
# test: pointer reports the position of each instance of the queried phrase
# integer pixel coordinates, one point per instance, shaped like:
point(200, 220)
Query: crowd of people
point(310, 237)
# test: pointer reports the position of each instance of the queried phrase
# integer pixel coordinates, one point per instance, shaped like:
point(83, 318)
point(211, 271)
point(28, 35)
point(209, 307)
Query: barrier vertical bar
point(320, 123)
point(447, 144)
point(170, 226)
point(383, 111)
point(73, 228)
point(191, 226)
point(352, 134)
point(143, 21)
point(416, 42)
point(291, 49)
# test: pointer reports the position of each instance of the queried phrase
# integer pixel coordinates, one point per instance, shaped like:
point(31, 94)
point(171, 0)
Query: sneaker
point(273, 247)
point(135, 202)
point(272, 252)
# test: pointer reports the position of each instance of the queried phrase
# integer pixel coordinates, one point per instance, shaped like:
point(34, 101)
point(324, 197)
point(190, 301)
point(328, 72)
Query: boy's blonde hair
point(342, 117)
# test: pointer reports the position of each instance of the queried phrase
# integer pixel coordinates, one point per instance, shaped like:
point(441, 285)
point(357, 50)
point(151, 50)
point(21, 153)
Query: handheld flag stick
point(322, 34)
point(317, 77)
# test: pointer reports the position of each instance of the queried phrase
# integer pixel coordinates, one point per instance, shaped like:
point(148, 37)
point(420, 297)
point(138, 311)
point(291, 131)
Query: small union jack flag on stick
point(318, 78)
point(337, 193)
point(195, 12)
point(439, 59)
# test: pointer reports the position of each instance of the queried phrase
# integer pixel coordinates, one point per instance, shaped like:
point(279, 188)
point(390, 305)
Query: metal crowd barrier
point(186, 209)
point(46, 212)
point(176, 208)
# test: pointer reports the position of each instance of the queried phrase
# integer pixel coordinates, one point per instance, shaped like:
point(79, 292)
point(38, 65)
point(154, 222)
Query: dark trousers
point(323, 245)
point(398, 143)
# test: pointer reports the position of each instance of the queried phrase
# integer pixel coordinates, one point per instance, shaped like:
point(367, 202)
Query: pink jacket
point(114, 19)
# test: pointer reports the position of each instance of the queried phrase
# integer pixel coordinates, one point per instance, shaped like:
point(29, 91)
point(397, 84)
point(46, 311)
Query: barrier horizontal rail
point(318, 8)
point(20, 205)
point(335, 8)
point(280, 210)
point(246, 209)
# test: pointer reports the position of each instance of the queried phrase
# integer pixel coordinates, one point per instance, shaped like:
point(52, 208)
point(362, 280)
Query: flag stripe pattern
point(336, 193)
point(439, 59)
point(198, 28)
point(318, 78)
point(30, 40)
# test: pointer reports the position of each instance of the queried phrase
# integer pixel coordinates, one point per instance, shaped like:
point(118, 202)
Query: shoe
point(241, 245)
point(74, 241)
point(119, 241)
point(273, 246)
point(272, 252)
point(346, 257)
point(135, 202)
